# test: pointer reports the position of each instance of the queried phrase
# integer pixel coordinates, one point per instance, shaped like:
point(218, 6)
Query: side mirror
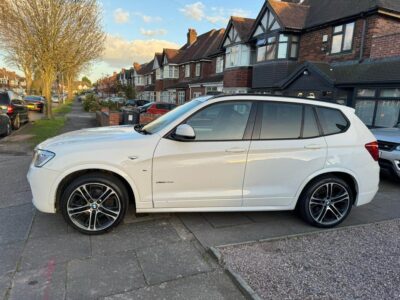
point(184, 132)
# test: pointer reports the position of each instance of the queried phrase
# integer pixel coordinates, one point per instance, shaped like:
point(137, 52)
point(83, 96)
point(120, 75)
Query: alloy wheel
point(94, 206)
point(329, 203)
point(9, 129)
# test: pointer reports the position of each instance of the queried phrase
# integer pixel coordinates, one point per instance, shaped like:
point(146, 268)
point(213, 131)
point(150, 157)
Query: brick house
point(193, 70)
point(340, 51)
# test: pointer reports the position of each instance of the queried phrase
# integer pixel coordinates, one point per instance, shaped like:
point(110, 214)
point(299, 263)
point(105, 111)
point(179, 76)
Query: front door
point(285, 152)
point(209, 170)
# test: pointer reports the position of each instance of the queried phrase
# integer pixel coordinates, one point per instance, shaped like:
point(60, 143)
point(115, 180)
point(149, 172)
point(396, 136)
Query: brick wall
point(384, 37)
point(238, 77)
point(380, 41)
point(311, 45)
point(201, 90)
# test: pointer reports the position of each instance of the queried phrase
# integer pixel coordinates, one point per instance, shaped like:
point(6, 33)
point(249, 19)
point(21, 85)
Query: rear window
point(332, 120)
point(162, 106)
point(4, 98)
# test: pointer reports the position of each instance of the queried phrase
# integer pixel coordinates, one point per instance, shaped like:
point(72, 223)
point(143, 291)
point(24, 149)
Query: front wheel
point(94, 203)
point(326, 202)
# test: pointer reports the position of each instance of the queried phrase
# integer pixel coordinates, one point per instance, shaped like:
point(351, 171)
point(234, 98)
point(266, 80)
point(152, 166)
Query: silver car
point(389, 148)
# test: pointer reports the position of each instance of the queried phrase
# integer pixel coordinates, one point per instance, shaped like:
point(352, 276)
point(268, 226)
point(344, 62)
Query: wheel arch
point(68, 177)
point(348, 176)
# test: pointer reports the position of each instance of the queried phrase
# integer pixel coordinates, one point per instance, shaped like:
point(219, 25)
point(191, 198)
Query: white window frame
point(219, 65)
point(237, 56)
point(187, 70)
point(198, 69)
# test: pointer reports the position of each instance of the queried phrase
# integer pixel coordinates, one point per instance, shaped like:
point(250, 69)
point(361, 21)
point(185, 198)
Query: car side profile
point(214, 154)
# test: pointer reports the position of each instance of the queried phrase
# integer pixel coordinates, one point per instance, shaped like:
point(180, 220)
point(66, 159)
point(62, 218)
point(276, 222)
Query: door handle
point(235, 150)
point(314, 146)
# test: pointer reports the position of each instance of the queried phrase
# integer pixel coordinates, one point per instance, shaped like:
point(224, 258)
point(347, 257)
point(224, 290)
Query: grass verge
point(47, 128)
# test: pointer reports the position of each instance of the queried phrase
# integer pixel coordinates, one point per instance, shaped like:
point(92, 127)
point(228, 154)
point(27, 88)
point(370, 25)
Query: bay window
point(171, 71)
point(238, 55)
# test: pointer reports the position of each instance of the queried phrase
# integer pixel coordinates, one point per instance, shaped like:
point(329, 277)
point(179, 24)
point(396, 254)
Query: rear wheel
point(94, 203)
point(9, 128)
point(326, 202)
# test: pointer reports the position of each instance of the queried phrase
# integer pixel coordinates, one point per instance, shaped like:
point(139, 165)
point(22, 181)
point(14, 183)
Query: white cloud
point(121, 16)
point(121, 53)
point(148, 32)
point(198, 11)
point(148, 19)
point(194, 11)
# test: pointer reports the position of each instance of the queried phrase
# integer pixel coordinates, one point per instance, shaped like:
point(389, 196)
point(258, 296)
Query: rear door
point(287, 148)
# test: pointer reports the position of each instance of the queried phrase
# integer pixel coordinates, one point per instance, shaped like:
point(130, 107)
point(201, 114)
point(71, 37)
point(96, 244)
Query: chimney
point(191, 36)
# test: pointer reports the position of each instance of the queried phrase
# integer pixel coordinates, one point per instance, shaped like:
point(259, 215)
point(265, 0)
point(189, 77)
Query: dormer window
point(342, 38)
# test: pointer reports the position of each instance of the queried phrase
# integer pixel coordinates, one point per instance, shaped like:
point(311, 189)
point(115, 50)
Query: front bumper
point(390, 161)
point(43, 186)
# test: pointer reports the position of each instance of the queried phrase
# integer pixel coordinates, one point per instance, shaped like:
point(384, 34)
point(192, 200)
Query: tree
point(62, 37)
point(86, 80)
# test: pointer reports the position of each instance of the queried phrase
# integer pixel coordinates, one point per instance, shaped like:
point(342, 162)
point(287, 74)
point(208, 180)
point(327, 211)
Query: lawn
point(47, 128)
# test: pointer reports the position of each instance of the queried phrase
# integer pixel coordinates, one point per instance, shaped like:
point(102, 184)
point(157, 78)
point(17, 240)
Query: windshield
point(32, 98)
point(170, 117)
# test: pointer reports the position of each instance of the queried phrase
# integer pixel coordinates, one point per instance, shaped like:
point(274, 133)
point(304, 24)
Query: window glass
point(337, 43)
point(338, 29)
point(332, 120)
point(281, 121)
point(390, 93)
point(310, 123)
point(365, 93)
point(261, 53)
point(387, 113)
point(222, 121)
point(293, 50)
point(348, 37)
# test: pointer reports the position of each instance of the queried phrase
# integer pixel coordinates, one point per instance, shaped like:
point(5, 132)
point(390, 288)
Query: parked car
point(157, 108)
point(35, 103)
point(229, 153)
point(55, 99)
point(5, 124)
point(389, 147)
point(135, 103)
point(16, 108)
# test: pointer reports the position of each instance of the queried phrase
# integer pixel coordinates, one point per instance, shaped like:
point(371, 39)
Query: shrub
point(90, 103)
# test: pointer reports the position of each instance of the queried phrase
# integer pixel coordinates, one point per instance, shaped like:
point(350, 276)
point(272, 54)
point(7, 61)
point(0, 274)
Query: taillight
point(10, 109)
point(373, 150)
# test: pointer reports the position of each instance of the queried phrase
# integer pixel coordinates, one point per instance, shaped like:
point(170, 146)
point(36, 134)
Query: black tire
point(17, 122)
point(9, 129)
point(93, 181)
point(326, 212)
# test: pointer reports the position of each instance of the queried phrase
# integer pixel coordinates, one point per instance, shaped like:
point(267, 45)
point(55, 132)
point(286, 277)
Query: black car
point(5, 124)
point(35, 103)
point(16, 108)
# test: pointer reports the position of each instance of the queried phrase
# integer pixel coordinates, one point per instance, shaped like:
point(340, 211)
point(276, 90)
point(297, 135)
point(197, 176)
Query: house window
point(187, 70)
point(197, 94)
point(181, 97)
point(219, 67)
point(151, 97)
point(238, 55)
point(158, 74)
point(198, 69)
point(342, 38)
point(282, 46)
point(171, 72)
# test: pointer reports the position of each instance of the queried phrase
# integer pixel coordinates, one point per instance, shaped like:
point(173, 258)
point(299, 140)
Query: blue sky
point(137, 28)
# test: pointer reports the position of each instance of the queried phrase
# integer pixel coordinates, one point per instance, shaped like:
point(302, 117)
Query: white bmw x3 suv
point(214, 154)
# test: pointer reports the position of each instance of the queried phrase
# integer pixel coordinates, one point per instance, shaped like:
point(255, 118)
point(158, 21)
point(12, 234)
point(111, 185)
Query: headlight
point(398, 148)
point(42, 157)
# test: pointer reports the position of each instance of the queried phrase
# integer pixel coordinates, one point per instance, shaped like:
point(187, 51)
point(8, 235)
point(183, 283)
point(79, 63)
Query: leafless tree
point(61, 36)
